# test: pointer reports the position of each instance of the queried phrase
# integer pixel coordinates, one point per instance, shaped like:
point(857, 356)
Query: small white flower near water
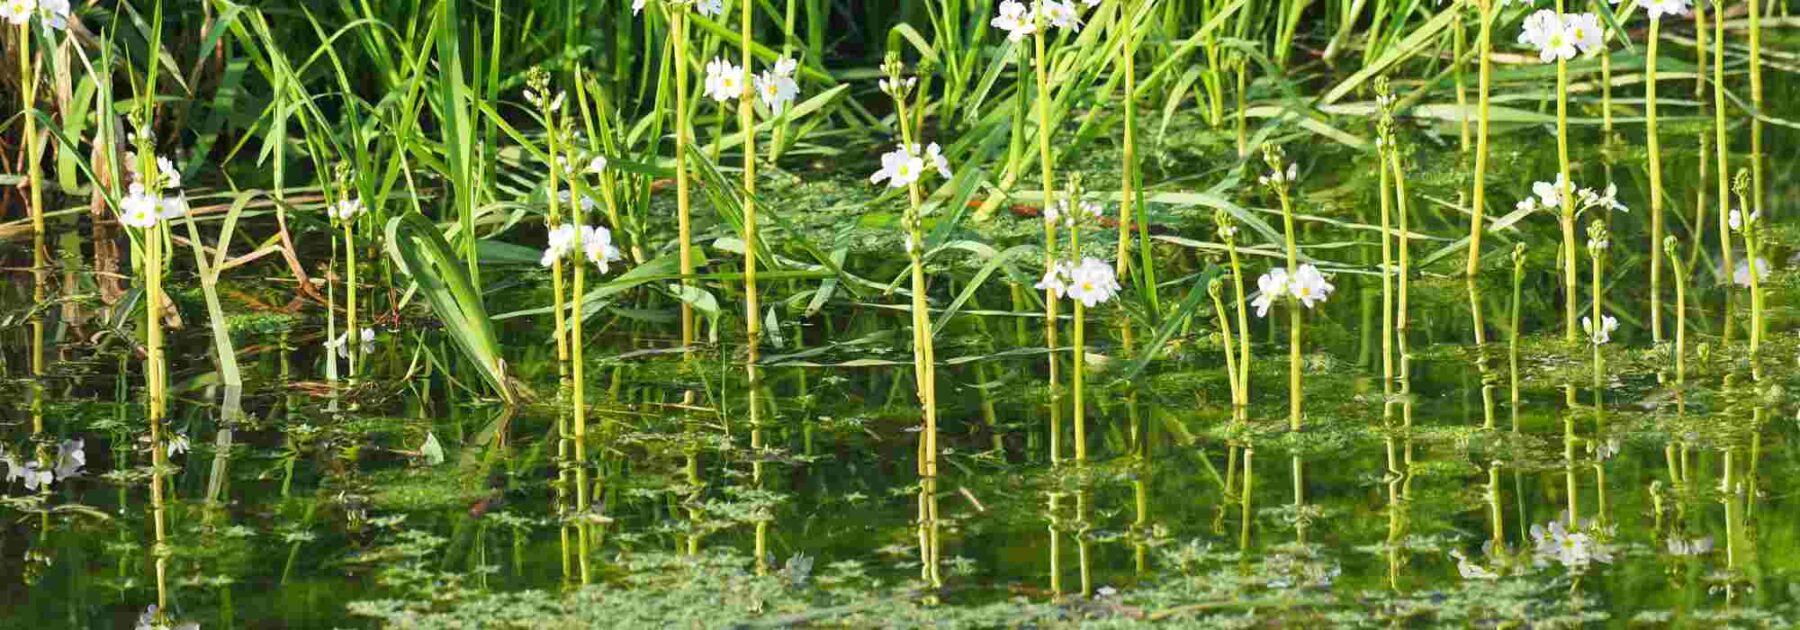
point(724, 80)
point(1608, 324)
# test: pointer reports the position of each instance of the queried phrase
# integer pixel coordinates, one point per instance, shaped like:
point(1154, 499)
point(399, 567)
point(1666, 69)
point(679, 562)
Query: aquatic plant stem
point(1654, 144)
point(1293, 266)
point(1752, 250)
point(1387, 268)
point(1049, 185)
point(1568, 191)
point(678, 29)
point(1671, 245)
point(1231, 364)
point(1722, 151)
point(353, 342)
point(1478, 204)
point(923, 348)
point(1756, 104)
point(1512, 338)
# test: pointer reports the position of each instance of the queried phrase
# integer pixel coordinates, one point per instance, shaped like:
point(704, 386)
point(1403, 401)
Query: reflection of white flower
point(1271, 285)
point(1573, 549)
point(71, 456)
point(1741, 276)
point(178, 443)
point(1690, 547)
point(1608, 324)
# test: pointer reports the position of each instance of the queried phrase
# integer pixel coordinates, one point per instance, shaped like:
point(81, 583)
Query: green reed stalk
point(1672, 247)
point(352, 342)
point(1079, 350)
point(1478, 207)
point(1128, 187)
point(1384, 142)
point(1752, 231)
point(1700, 62)
point(34, 176)
point(1656, 183)
point(1459, 43)
point(1047, 168)
point(1215, 289)
point(1722, 150)
point(1401, 320)
point(1567, 192)
point(1597, 245)
point(752, 310)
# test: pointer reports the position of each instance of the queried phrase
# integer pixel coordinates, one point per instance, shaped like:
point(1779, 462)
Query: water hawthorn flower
point(1091, 282)
point(1015, 19)
point(1061, 213)
point(776, 86)
point(140, 209)
point(1608, 324)
point(1573, 549)
point(1307, 284)
point(54, 13)
point(346, 210)
point(1736, 219)
point(595, 243)
point(1561, 37)
point(904, 165)
point(724, 80)
point(1657, 9)
point(1549, 196)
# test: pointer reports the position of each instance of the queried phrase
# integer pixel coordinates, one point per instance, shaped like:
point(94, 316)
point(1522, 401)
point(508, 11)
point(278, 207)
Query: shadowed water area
point(1507, 474)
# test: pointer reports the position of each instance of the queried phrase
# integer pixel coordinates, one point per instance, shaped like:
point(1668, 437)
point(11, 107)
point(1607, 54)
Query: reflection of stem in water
point(1244, 500)
point(1481, 354)
point(1055, 543)
point(1300, 520)
point(1512, 337)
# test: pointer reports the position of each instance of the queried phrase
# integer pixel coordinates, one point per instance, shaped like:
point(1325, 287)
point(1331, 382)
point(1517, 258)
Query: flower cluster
point(1690, 547)
point(1307, 284)
point(724, 80)
point(552, 103)
point(54, 13)
point(1549, 196)
point(141, 209)
point(346, 210)
point(776, 87)
point(71, 456)
point(1573, 549)
point(1020, 21)
point(1067, 216)
point(1561, 37)
point(593, 242)
point(1091, 282)
point(905, 165)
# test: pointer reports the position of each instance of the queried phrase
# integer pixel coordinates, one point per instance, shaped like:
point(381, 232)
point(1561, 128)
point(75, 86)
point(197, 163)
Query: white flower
point(776, 86)
point(17, 12)
point(70, 458)
point(1608, 324)
point(597, 245)
point(55, 13)
point(1584, 31)
point(898, 87)
point(899, 168)
point(1015, 19)
point(637, 6)
point(367, 337)
point(1056, 211)
point(178, 443)
point(1056, 280)
point(561, 242)
point(1598, 245)
point(710, 8)
point(1736, 219)
point(1092, 282)
point(587, 203)
point(1528, 204)
point(1470, 570)
point(1550, 194)
point(935, 155)
point(597, 165)
point(724, 80)
point(1656, 9)
point(173, 207)
point(1270, 286)
point(1310, 286)
point(1550, 35)
point(171, 178)
point(1608, 200)
point(909, 244)
point(36, 477)
point(1741, 276)
point(1690, 547)
point(138, 209)
point(1059, 14)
